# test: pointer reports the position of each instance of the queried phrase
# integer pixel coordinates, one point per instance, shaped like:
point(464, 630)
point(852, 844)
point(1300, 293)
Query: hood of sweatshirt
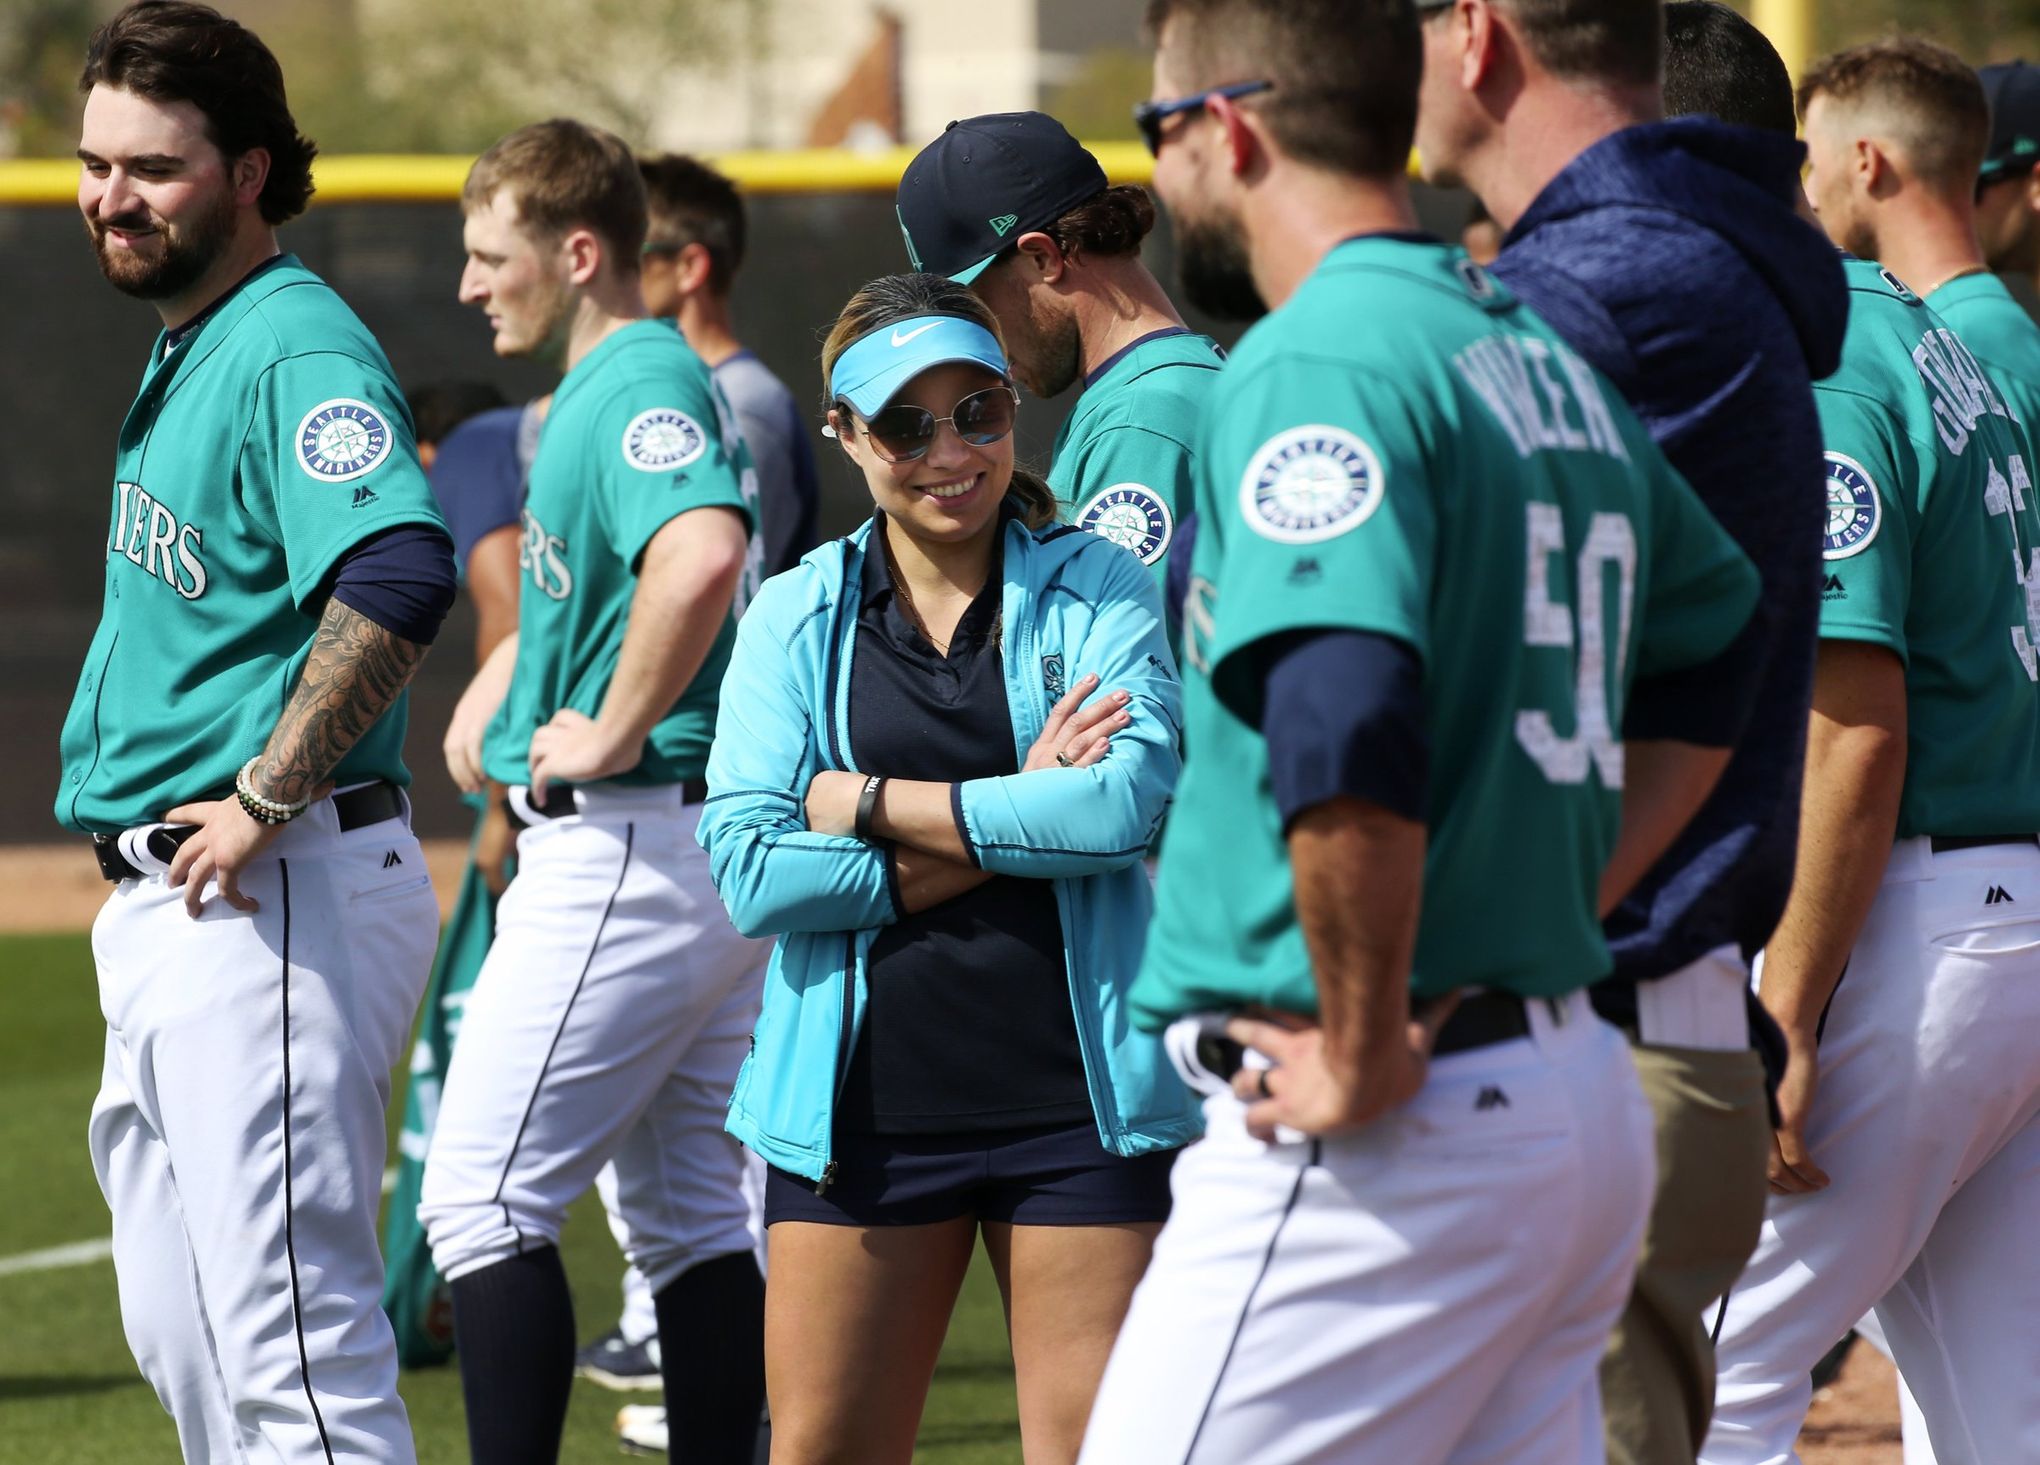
point(1740, 183)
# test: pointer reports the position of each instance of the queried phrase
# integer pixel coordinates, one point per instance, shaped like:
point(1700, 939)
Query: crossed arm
point(930, 863)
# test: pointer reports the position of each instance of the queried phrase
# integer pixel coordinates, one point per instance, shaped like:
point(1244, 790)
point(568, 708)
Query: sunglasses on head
point(902, 433)
point(1149, 116)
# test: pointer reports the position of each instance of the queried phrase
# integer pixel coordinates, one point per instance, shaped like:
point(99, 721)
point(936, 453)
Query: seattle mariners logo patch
point(662, 439)
point(1133, 517)
point(1311, 484)
point(1854, 511)
point(342, 440)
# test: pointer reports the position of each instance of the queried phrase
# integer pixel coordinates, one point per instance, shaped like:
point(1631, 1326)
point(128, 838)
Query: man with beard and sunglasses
point(1013, 206)
point(1459, 663)
point(616, 1003)
point(275, 571)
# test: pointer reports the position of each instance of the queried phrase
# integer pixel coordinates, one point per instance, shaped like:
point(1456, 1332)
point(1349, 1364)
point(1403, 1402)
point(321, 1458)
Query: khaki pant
point(1713, 1135)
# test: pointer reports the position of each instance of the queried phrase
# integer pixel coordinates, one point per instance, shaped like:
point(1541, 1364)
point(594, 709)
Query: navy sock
point(712, 1353)
point(513, 1331)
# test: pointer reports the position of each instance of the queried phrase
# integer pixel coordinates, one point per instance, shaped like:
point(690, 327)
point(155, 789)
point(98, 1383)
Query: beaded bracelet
point(261, 810)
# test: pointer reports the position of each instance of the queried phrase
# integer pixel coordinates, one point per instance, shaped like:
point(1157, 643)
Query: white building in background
point(875, 72)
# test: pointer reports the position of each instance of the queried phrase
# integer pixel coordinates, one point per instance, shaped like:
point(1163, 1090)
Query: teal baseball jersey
point(1123, 459)
point(1933, 550)
point(1404, 449)
point(2000, 334)
point(637, 435)
point(271, 442)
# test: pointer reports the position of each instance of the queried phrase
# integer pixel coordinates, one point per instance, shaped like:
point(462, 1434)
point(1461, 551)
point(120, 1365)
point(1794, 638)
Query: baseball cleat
point(616, 1363)
point(641, 1429)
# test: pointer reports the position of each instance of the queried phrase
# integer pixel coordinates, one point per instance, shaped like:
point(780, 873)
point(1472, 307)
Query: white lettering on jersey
point(1512, 375)
point(541, 553)
point(147, 534)
point(1583, 628)
point(1962, 394)
point(1200, 623)
point(2006, 494)
point(753, 576)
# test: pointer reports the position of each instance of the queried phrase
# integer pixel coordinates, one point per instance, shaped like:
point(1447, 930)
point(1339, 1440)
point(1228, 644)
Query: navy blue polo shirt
point(968, 1025)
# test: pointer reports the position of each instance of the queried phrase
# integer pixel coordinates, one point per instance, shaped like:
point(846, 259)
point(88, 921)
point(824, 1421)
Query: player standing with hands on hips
point(1904, 970)
point(1016, 208)
point(1440, 572)
point(616, 1002)
point(273, 547)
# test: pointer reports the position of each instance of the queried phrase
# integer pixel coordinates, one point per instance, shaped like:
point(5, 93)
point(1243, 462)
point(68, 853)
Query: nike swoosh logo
point(900, 340)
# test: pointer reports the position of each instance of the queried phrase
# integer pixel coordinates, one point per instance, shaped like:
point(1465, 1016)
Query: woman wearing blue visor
point(945, 742)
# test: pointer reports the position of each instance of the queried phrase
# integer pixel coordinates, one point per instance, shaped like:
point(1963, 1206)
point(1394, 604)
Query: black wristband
point(867, 805)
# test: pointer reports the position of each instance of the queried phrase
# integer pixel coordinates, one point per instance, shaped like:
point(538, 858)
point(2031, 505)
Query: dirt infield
point(1854, 1421)
point(57, 887)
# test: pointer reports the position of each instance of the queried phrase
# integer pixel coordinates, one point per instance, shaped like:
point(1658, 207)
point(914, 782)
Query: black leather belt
point(1942, 843)
point(372, 803)
point(558, 802)
point(1481, 1020)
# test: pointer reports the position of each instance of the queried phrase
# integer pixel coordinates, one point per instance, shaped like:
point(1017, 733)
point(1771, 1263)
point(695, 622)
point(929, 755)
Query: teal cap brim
point(965, 276)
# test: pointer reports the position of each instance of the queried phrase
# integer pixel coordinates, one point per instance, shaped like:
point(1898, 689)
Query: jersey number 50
point(1584, 630)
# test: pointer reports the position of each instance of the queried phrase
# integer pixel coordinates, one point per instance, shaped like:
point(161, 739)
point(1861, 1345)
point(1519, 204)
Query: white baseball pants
point(609, 1021)
point(1927, 1122)
point(1435, 1289)
point(639, 1320)
point(238, 1136)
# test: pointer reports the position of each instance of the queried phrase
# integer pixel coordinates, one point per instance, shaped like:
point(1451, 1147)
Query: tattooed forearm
point(354, 672)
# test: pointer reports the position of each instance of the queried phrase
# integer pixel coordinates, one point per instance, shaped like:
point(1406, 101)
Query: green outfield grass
point(69, 1392)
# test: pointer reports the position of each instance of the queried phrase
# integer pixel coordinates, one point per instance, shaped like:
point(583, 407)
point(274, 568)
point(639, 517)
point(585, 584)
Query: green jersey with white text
point(1404, 449)
point(1933, 550)
point(2000, 334)
point(638, 434)
point(268, 444)
point(1124, 456)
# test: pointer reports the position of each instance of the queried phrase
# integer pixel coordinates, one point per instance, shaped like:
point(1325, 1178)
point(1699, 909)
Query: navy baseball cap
point(2013, 90)
point(986, 181)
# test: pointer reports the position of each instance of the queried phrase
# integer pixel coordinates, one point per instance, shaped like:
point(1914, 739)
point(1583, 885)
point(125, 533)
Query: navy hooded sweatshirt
point(1670, 257)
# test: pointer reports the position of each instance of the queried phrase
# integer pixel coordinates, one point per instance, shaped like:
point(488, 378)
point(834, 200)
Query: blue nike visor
point(874, 367)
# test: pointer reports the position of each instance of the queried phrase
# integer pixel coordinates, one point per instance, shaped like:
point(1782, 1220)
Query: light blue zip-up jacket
point(1074, 603)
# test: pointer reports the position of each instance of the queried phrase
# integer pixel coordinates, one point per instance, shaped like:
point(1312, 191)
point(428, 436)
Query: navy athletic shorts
point(1031, 1177)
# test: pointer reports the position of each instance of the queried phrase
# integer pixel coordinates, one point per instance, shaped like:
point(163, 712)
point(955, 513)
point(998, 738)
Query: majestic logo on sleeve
point(1133, 517)
point(662, 439)
point(1854, 510)
point(342, 440)
point(1311, 484)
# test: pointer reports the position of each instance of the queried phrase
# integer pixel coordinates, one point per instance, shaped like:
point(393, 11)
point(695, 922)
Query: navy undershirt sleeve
point(1708, 705)
point(1343, 716)
point(402, 579)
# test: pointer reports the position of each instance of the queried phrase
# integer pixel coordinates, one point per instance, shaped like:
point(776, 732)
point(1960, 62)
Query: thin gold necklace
point(906, 596)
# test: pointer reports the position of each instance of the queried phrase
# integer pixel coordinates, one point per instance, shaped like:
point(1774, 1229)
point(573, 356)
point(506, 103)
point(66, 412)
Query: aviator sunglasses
point(903, 433)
